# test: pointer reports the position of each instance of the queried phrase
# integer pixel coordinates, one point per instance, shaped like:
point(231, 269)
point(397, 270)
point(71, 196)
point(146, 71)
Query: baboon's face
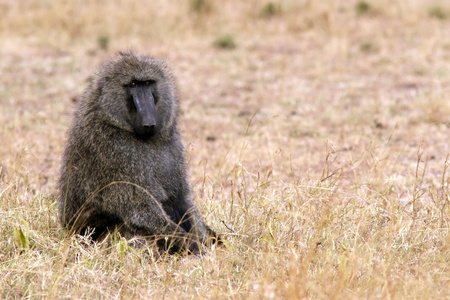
point(141, 103)
point(138, 95)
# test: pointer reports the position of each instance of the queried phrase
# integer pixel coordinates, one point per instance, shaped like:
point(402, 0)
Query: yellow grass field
point(317, 134)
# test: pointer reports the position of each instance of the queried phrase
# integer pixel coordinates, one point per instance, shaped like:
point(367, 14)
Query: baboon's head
point(136, 94)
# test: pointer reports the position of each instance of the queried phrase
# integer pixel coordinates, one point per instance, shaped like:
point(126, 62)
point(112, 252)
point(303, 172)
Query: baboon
point(124, 166)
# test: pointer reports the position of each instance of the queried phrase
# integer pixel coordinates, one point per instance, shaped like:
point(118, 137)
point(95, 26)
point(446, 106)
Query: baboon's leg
point(153, 223)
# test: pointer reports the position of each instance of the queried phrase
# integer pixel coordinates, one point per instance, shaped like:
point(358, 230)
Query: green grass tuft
point(437, 12)
point(225, 41)
point(200, 6)
point(103, 42)
point(367, 47)
point(270, 9)
point(362, 7)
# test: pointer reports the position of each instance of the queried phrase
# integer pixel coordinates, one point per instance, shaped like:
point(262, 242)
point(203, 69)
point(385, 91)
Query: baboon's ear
point(99, 85)
point(94, 90)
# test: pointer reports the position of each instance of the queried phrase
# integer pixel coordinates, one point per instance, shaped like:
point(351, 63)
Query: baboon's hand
point(194, 248)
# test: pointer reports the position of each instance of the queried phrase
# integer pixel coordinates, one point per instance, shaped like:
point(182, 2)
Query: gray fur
point(113, 179)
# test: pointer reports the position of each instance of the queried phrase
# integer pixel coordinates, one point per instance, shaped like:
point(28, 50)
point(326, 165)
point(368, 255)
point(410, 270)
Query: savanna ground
point(317, 135)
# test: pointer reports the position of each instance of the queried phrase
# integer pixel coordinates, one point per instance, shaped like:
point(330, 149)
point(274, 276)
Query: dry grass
point(319, 146)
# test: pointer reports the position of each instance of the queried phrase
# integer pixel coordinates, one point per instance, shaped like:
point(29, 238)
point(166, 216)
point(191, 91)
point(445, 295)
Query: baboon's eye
point(147, 83)
point(133, 83)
